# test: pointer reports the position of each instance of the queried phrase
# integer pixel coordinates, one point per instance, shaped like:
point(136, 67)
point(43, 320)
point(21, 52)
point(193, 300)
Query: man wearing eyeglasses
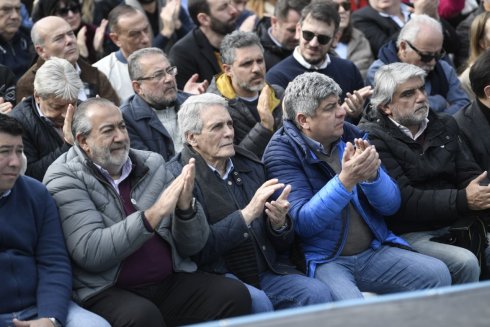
point(420, 43)
point(316, 31)
point(16, 51)
point(439, 181)
point(151, 113)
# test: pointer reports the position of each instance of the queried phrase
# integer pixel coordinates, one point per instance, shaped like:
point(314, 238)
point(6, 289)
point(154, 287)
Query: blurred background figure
point(351, 42)
point(479, 42)
point(93, 41)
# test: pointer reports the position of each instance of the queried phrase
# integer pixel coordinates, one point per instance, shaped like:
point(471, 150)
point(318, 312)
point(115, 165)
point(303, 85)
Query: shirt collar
point(276, 42)
point(5, 194)
point(126, 170)
point(406, 131)
point(317, 146)
point(299, 58)
point(406, 15)
point(229, 168)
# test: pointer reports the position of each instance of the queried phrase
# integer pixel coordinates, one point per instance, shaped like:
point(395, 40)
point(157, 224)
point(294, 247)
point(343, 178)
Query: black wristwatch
point(189, 212)
point(55, 322)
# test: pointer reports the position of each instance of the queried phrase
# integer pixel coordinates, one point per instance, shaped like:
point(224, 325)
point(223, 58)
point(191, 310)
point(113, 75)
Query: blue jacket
point(34, 265)
point(146, 132)
point(318, 198)
point(18, 53)
point(442, 85)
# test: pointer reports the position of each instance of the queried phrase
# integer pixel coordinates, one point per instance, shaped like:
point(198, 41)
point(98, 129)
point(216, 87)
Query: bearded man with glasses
point(420, 43)
point(151, 113)
point(316, 32)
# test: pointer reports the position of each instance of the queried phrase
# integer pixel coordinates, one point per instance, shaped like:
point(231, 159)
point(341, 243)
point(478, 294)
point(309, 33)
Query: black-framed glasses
point(9, 10)
point(428, 56)
point(159, 75)
point(74, 8)
point(345, 5)
point(322, 39)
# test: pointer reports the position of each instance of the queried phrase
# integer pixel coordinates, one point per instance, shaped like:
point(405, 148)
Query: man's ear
point(227, 69)
point(136, 87)
point(203, 19)
point(191, 139)
point(82, 142)
point(385, 109)
point(115, 39)
point(40, 52)
point(303, 121)
point(486, 90)
point(273, 21)
point(298, 31)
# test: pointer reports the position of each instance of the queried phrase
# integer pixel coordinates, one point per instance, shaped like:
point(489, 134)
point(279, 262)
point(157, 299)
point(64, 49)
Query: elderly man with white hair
point(46, 116)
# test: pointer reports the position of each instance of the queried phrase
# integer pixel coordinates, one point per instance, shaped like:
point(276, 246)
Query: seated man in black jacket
point(422, 151)
point(247, 232)
point(46, 116)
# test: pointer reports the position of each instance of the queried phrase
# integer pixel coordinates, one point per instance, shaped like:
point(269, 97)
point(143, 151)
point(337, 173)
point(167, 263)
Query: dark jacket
point(34, 264)
point(229, 236)
point(93, 80)
point(7, 84)
point(250, 134)
point(194, 54)
point(432, 175)
point(475, 130)
point(18, 53)
point(318, 198)
point(146, 132)
point(272, 52)
point(42, 143)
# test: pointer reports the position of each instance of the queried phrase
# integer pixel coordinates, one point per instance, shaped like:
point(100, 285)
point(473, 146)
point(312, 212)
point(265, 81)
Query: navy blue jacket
point(34, 265)
point(18, 53)
point(342, 71)
point(146, 132)
point(318, 198)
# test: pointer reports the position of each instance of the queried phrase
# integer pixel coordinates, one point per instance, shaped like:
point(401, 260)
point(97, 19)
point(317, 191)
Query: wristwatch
point(55, 322)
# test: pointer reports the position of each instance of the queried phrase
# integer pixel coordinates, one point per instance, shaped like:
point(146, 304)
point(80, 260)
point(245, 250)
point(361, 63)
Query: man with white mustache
point(253, 104)
point(421, 149)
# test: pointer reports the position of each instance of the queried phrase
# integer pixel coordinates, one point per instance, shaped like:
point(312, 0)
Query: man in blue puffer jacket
point(339, 197)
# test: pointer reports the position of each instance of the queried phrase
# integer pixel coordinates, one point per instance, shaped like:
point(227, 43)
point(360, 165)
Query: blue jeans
point(462, 264)
point(385, 270)
point(77, 317)
point(286, 291)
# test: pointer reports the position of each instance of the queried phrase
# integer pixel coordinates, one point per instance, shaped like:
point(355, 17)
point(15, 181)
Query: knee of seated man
point(230, 297)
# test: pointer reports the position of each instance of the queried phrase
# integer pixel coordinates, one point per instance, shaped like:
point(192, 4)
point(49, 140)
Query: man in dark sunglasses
point(316, 30)
point(420, 43)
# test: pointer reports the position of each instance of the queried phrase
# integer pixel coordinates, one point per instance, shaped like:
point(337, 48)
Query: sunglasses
point(75, 8)
point(322, 39)
point(427, 57)
point(345, 5)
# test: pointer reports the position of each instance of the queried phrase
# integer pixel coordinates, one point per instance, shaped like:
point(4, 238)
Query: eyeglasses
point(9, 10)
point(427, 57)
point(74, 8)
point(345, 5)
point(322, 39)
point(159, 75)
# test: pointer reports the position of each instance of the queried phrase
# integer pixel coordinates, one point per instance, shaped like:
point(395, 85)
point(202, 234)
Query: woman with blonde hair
point(479, 42)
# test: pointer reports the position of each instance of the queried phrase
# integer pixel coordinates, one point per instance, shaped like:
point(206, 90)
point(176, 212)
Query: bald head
point(53, 37)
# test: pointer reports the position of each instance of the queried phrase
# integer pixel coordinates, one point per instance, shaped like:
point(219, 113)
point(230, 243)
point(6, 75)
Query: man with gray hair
point(46, 116)
point(339, 197)
point(422, 151)
point(254, 105)
point(130, 227)
point(420, 43)
point(151, 113)
point(247, 230)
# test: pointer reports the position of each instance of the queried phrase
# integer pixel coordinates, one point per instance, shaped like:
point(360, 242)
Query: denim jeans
point(77, 317)
point(463, 264)
point(286, 291)
point(385, 270)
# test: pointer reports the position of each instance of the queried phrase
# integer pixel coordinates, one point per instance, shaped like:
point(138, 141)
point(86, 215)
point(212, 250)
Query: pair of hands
point(98, 41)
point(177, 195)
point(359, 163)
point(354, 102)
point(276, 210)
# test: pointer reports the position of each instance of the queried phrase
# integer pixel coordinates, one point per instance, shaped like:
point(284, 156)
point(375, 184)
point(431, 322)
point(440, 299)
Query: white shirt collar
point(396, 19)
point(276, 42)
point(406, 131)
point(299, 58)
point(126, 170)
